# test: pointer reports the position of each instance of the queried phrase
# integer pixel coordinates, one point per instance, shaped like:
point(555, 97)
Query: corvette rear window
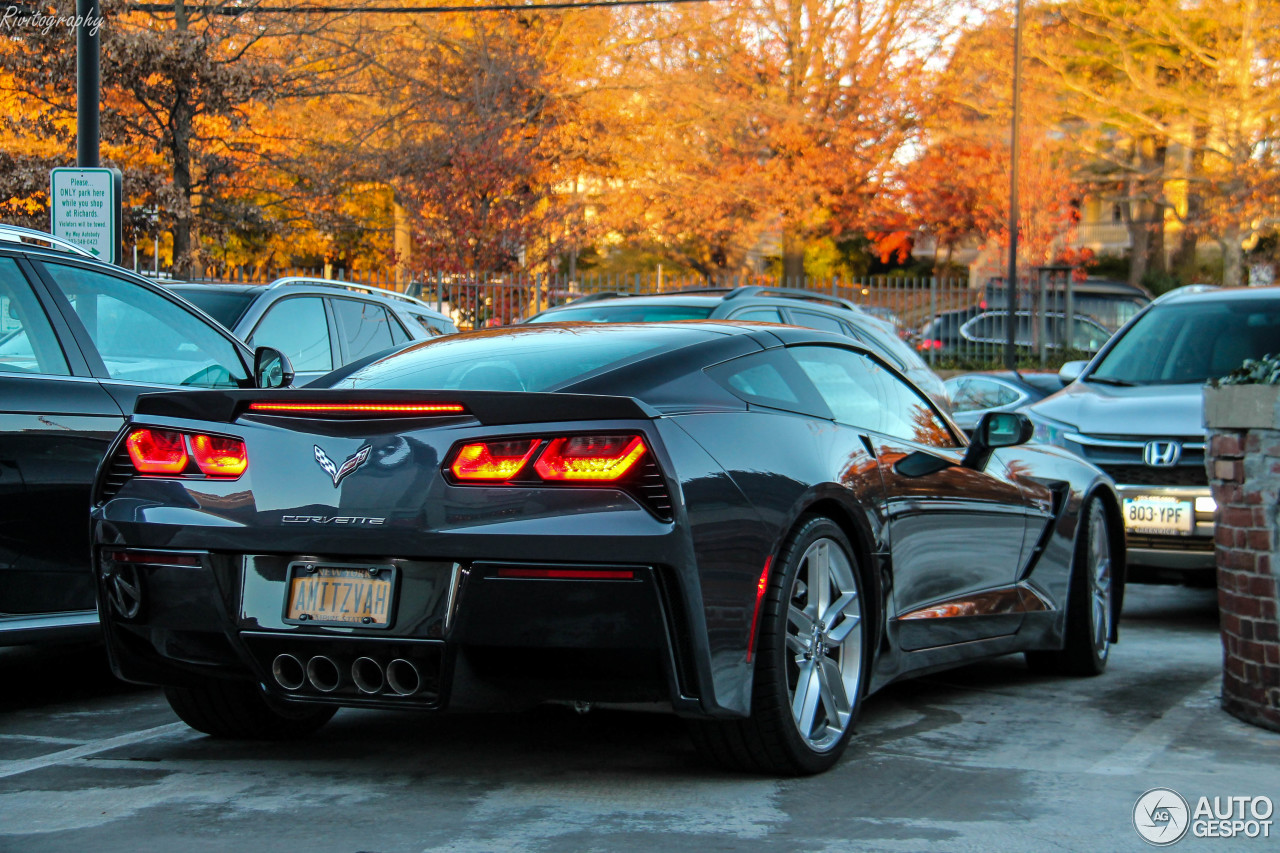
point(517, 358)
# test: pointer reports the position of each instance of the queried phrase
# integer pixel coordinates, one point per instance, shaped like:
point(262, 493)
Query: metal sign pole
point(88, 84)
point(1010, 354)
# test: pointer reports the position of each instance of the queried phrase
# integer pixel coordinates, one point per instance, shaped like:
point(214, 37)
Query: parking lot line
point(1159, 734)
point(66, 741)
point(14, 768)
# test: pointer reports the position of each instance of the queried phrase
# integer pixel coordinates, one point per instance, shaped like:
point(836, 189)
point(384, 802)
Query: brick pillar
point(1244, 471)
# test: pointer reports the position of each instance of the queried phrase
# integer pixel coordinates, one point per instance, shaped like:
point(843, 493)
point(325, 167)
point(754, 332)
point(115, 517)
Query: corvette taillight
point(591, 458)
point(167, 452)
point(218, 456)
point(493, 460)
point(583, 459)
point(157, 451)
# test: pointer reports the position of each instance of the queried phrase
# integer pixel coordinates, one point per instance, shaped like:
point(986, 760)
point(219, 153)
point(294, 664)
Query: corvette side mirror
point(995, 430)
point(271, 368)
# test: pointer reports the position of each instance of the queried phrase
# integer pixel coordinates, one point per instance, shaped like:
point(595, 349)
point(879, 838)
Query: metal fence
point(928, 313)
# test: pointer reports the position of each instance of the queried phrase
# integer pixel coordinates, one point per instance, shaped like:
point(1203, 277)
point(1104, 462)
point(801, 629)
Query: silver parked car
point(319, 323)
point(1136, 411)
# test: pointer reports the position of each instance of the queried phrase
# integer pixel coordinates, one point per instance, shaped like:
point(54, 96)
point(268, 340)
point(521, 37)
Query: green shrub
point(1261, 371)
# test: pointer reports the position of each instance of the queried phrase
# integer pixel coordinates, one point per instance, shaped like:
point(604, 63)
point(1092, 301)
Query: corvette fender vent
point(652, 490)
point(119, 470)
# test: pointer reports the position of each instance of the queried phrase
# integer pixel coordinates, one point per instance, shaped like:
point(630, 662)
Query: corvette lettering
point(331, 519)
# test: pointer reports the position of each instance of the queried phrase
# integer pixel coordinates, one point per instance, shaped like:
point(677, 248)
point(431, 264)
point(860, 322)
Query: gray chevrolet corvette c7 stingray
point(755, 526)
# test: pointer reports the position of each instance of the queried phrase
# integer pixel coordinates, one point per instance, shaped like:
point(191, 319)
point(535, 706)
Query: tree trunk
point(792, 257)
point(1139, 238)
point(1156, 259)
point(1232, 258)
point(181, 116)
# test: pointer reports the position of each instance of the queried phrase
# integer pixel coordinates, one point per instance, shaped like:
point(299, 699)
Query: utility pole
point(88, 84)
point(1011, 281)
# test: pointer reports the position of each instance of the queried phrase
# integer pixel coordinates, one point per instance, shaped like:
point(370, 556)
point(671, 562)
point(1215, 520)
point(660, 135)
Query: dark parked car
point(981, 334)
point(1105, 304)
point(79, 341)
point(974, 394)
point(1046, 328)
point(761, 305)
point(318, 323)
point(1136, 411)
point(1110, 303)
point(754, 525)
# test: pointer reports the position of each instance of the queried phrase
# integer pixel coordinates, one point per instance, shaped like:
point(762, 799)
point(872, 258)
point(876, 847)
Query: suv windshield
point(629, 313)
point(225, 306)
point(1192, 342)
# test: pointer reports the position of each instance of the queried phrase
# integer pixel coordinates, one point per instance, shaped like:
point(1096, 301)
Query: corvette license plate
point(1161, 516)
point(350, 594)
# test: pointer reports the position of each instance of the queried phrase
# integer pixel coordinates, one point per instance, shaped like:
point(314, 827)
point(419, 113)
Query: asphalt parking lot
point(984, 758)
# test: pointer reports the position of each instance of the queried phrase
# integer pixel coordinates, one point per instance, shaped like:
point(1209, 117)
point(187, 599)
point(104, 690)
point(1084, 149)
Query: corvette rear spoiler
point(489, 407)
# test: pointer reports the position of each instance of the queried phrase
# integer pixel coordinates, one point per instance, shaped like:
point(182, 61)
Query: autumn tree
point(1180, 99)
point(773, 115)
point(188, 102)
point(959, 187)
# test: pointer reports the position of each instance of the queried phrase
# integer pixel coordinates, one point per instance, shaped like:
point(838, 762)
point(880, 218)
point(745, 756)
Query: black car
point(1110, 303)
point(753, 525)
point(318, 323)
point(758, 304)
point(79, 341)
point(972, 332)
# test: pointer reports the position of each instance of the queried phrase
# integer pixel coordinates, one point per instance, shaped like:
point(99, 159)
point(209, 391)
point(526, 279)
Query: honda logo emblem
point(1162, 454)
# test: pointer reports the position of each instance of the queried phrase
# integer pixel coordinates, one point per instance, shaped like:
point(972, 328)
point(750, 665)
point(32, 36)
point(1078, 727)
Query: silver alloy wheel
point(1099, 574)
point(824, 644)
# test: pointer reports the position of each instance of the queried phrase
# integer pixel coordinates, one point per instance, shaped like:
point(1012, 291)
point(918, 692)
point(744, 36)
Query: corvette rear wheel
point(810, 666)
point(239, 710)
point(1090, 602)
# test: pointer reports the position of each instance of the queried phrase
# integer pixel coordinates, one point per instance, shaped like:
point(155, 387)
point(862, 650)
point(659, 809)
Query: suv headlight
point(1047, 430)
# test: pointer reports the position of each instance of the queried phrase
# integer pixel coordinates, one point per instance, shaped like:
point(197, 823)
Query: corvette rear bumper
point(483, 635)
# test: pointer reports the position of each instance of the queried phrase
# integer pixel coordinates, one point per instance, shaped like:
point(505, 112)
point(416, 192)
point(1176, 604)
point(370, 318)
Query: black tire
point(1090, 601)
point(239, 710)
point(834, 653)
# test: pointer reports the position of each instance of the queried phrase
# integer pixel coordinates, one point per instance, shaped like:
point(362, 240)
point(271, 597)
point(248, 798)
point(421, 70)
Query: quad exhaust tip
point(367, 675)
point(289, 672)
point(403, 677)
point(323, 674)
point(400, 677)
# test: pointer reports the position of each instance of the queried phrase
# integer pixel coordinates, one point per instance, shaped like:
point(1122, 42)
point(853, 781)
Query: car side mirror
point(995, 430)
point(271, 368)
point(1071, 371)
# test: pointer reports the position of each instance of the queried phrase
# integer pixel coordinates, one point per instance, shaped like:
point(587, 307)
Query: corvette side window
point(770, 379)
point(862, 393)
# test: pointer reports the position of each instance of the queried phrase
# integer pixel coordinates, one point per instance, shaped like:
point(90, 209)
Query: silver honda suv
point(1136, 411)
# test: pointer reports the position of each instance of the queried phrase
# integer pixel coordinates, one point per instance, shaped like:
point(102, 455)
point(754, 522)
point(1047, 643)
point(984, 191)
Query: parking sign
point(85, 209)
